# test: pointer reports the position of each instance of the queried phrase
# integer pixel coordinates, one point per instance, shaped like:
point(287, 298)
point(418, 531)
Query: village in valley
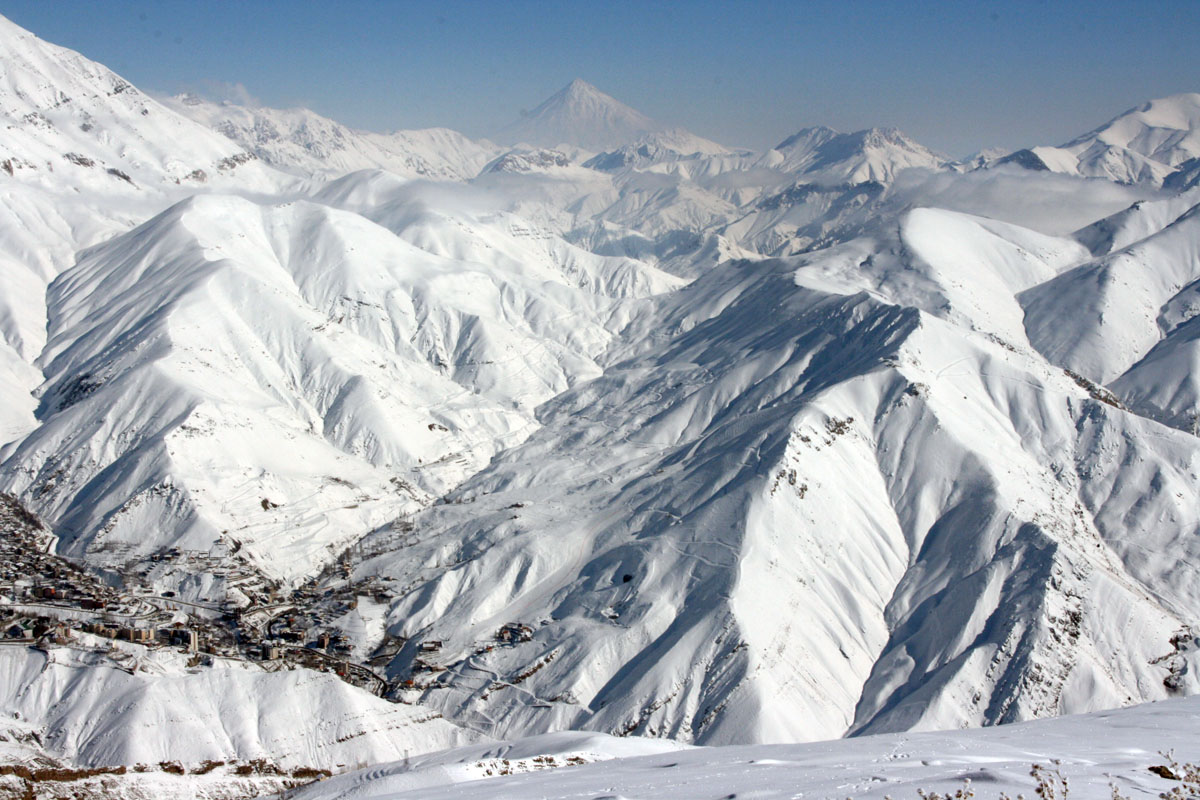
point(47, 601)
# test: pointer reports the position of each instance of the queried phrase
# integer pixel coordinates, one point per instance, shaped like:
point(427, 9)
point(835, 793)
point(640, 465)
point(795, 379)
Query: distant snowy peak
point(521, 160)
point(580, 115)
point(302, 141)
point(67, 119)
point(982, 158)
point(1143, 145)
point(1166, 130)
point(824, 155)
point(671, 144)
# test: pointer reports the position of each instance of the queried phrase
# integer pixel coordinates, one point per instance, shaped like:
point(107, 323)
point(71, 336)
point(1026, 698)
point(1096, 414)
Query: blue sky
point(955, 76)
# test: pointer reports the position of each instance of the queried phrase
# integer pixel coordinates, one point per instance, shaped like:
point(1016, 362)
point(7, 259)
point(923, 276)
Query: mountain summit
point(824, 155)
point(580, 115)
point(1143, 145)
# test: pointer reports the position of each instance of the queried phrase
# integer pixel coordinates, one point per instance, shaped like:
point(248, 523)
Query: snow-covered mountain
point(820, 472)
point(301, 141)
point(581, 115)
point(670, 145)
point(83, 155)
point(823, 155)
point(1142, 145)
point(220, 317)
point(65, 114)
point(626, 431)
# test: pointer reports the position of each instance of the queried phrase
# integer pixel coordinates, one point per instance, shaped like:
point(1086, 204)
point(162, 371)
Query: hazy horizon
point(957, 78)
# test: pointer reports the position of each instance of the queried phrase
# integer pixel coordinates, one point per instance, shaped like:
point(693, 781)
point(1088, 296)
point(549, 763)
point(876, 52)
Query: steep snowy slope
point(1158, 348)
point(1139, 221)
point(1186, 176)
point(581, 115)
point(83, 156)
point(1120, 301)
point(284, 378)
point(818, 496)
point(68, 120)
point(135, 706)
point(301, 141)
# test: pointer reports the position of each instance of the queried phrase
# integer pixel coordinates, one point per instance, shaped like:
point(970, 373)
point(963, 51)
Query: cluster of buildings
point(48, 601)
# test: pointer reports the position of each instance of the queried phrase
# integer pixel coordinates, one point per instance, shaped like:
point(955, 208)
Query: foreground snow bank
point(1095, 750)
point(543, 753)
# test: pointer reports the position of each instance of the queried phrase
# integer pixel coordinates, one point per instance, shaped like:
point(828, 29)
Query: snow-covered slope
point(581, 115)
point(68, 120)
point(436, 771)
point(209, 371)
point(1166, 130)
point(301, 141)
point(1094, 754)
point(84, 155)
point(127, 707)
point(1120, 301)
point(823, 155)
point(1144, 144)
point(834, 494)
point(1136, 304)
point(860, 471)
point(1186, 176)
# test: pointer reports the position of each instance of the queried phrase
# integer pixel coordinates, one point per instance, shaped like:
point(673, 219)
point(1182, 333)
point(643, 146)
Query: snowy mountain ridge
point(823, 155)
point(1144, 144)
point(300, 140)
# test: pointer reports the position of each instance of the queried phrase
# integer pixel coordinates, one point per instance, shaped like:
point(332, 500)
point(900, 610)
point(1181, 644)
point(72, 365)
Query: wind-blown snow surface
point(1097, 752)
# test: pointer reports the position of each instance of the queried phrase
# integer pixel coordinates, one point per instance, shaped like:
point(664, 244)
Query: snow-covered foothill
point(1125, 751)
point(123, 707)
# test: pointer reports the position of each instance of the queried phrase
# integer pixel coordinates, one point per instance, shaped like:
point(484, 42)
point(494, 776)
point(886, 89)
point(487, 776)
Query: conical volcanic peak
point(579, 115)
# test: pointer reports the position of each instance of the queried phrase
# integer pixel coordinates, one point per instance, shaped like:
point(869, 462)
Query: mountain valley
point(321, 448)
